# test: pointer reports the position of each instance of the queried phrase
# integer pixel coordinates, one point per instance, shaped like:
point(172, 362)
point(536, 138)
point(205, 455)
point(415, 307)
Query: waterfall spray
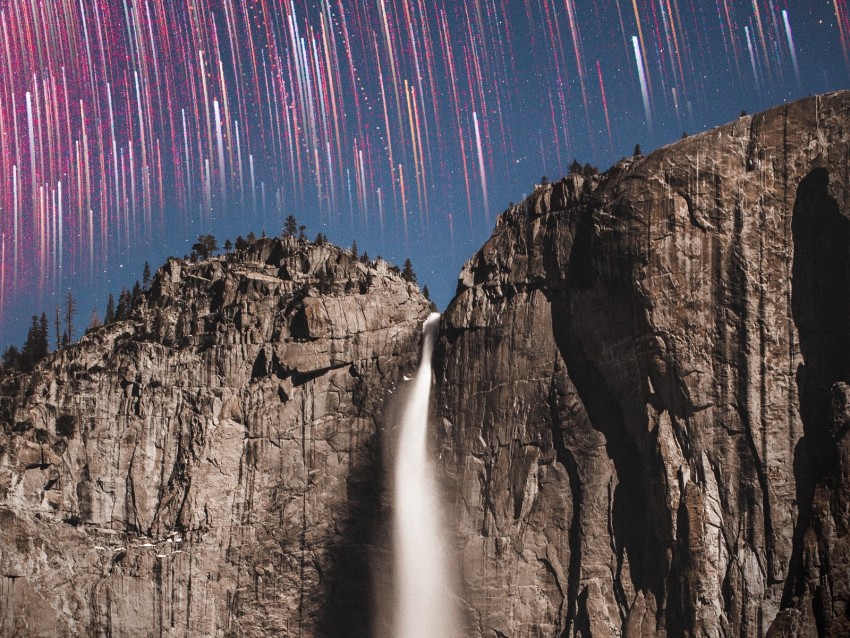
point(424, 606)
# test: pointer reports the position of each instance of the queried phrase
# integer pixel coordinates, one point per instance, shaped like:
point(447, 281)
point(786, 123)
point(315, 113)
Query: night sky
point(128, 127)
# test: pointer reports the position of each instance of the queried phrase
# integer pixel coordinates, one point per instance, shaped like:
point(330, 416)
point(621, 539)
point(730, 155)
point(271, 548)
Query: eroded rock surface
point(642, 386)
point(212, 466)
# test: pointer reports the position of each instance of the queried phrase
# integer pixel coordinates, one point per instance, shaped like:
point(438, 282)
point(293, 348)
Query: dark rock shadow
point(636, 535)
point(349, 608)
point(820, 303)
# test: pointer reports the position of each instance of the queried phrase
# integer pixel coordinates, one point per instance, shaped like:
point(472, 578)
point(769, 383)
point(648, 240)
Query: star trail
point(127, 127)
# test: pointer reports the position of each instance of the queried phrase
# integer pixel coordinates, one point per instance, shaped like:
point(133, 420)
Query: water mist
point(423, 601)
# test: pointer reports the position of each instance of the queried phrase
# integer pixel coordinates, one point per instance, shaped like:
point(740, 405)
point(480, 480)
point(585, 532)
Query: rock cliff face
point(642, 405)
point(212, 466)
point(643, 392)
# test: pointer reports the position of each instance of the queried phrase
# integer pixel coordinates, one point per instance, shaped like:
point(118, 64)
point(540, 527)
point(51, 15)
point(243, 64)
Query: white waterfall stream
point(424, 604)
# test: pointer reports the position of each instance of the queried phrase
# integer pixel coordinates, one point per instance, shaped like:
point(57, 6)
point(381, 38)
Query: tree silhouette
point(290, 226)
point(205, 246)
point(70, 311)
point(35, 347)
point(136, 295)
point(109, 316)
point(426, 293)
point(146, 275)
point(122, 312)
point(57, 324)
point(407, 272)
point(638, 152)
point(228, 245)
point(10, 358)
point(354, 251)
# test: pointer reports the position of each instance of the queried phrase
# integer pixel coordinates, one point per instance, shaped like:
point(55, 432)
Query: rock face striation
point(643, 393)
point(212, 466)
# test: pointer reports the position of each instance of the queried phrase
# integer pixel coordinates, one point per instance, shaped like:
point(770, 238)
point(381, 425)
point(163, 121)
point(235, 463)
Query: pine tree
point(205, 246)
point(70, 311)
point(364, 258)
point(638, 152)
point(407, 272)
point(228, 246)
point(426, 293)
point(241, 244)
point(109, 317)
point(302, 232)
point(290, 226)
point(122, 312)
point(354, 251)
point(57, 324)
point(44, 335)
point(146, 276)
point(575, 168)
point(10, 358)
point(35, 348)
point(136, 295)
point(27, 359)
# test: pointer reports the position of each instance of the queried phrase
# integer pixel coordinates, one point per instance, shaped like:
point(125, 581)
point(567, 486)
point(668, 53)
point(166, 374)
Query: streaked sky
point(128, 127)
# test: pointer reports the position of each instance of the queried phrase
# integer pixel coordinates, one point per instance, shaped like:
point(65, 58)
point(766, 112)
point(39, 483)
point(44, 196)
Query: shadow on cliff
point(349, 608)
point(583, 313)
point(820, 302)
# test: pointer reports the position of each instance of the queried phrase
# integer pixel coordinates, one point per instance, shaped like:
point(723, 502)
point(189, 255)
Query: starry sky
point(128, 127)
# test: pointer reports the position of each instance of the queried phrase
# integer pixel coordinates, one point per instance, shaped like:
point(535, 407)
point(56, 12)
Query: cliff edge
point(211, 466)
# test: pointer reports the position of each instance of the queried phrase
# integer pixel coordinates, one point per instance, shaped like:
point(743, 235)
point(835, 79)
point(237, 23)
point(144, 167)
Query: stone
point(642, 386)
point(212, 466)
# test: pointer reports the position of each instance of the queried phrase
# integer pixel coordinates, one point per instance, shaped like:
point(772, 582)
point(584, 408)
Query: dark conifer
point(70, 311)
point(290, 226)
point(10, 358)
point(205, 246)
point(407, 272)
point(109, 316)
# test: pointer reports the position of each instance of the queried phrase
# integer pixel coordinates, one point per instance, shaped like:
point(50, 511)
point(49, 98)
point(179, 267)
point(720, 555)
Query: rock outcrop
point(643, 393)
point(212, 466)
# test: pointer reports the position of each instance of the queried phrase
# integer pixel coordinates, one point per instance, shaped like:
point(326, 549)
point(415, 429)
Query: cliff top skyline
point(126, 130)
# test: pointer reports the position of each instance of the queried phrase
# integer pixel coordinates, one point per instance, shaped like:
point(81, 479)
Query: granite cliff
point(641, 406)
point(643, 393)
point(212, 466)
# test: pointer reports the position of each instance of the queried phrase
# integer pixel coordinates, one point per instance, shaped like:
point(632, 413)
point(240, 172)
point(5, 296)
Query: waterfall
point(424, 604)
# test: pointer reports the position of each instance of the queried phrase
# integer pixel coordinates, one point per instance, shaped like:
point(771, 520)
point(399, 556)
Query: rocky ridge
point(643, 393)
point(211, 466)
